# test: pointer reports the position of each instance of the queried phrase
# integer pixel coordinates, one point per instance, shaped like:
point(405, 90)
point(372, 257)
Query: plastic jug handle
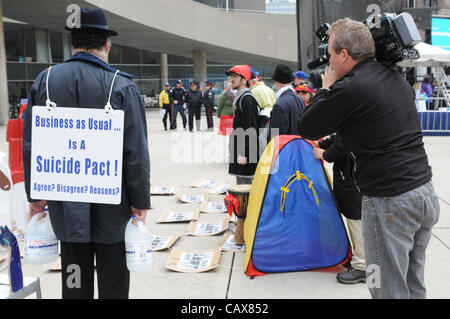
point(39, 216)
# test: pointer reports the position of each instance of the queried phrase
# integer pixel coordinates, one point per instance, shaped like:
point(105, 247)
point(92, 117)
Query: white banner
point(76, 154)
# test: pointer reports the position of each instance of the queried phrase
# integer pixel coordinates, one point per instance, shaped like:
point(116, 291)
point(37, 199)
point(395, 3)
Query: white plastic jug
point(41, 245)
point(138, 247)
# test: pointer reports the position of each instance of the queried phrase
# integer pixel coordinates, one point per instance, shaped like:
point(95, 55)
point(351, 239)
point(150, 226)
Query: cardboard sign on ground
point(208, 229)
point(163, 242)
point(204, 184)
point(176, 217)
point(193, 199)
point(219, 189)
point(193, 261)
point(227, 243)
point(213, 208)
point(163, 190)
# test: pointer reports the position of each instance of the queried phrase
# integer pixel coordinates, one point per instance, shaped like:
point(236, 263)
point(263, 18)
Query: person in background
point(178, 96)
point(421, 105)
point(194, 101)
point(244, 140)
point(262, 93)
point(164, 102)
point(427, 89)
point(299, 78)
point(334, 150)
point(209, 103)
point(288, 108)
point(91, 232)
point(306, 92)
point(225, 109)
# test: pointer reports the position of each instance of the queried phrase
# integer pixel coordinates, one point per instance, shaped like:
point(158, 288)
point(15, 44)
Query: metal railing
point(435, 123)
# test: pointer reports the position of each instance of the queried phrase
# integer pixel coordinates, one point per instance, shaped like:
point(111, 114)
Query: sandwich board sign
point(76, 154)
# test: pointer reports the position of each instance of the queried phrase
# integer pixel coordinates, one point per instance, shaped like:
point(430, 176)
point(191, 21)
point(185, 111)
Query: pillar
point(164, 70)
point(306, 38)
point(67, 46)
point(200, 67)
point(4, 101)
point(43, 49)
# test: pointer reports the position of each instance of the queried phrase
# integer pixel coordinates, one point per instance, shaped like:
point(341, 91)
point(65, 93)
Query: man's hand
point(140, 214)
point(175, 102)
point(318, 153)
point(36, 208)
point(329, 78)
point(242, 160)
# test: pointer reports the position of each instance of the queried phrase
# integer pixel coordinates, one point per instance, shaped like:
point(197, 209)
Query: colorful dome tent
point(293, 223)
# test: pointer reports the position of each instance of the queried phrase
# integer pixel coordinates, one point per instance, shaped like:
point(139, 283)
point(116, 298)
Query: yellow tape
point(297, 176)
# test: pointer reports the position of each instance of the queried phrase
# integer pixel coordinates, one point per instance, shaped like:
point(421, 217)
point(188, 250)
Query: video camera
point(394, 36)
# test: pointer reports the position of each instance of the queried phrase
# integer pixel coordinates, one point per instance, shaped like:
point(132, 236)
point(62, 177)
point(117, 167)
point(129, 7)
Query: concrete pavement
point(173, 165)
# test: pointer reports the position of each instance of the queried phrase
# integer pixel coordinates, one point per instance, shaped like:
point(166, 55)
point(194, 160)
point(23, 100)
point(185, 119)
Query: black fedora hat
point(283, 74)
point(92, 20)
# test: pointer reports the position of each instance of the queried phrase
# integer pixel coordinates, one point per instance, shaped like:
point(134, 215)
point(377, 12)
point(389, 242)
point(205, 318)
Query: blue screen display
point(440, 32)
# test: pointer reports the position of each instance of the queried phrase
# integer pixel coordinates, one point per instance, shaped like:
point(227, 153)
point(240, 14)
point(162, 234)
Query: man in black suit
point(289, 106)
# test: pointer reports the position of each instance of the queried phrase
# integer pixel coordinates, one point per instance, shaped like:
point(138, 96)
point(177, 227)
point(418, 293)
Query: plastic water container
point(41, 245)
point(138, 247)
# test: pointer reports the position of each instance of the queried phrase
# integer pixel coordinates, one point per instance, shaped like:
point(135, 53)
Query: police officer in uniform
point(86, 230)
point(209, 102)
point(194, 100)
point(178, 95)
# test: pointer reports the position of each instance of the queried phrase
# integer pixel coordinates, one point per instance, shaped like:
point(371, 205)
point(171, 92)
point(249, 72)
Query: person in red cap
point(244, 140)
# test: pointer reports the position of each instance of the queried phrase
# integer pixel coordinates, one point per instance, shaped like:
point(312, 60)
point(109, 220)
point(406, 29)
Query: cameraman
point(372, 107)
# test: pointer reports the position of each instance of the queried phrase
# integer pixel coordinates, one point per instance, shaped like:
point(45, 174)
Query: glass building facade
point(24, 62)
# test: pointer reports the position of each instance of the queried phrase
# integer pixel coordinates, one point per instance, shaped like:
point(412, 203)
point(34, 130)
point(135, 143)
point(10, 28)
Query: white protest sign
point(76, 154)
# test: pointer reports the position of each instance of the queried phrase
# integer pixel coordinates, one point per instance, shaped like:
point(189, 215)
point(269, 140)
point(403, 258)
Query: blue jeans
point(177, 108)
point(396, 233)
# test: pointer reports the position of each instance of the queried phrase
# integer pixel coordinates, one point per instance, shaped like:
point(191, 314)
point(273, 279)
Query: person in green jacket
point(225, 110)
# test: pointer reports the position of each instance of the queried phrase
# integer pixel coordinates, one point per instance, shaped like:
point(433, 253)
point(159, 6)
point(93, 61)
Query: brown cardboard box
point(163, 242)
point(193, 199)
point(177, 217)
point(208, 229)
point(213, 208)
point(193, 261)
point(227, 243)
point(163, 190)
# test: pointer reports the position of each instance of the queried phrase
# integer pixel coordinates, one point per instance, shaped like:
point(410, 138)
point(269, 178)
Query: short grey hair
point(353, 36)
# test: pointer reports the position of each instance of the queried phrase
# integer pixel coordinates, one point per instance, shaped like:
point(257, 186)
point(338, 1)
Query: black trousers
point(194, 111)
point(168, 115)
point(209, 116)
point(77, 262)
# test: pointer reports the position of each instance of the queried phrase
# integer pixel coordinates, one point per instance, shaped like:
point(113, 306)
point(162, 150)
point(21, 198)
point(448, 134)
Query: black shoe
point(351, 276)
point(347, 264)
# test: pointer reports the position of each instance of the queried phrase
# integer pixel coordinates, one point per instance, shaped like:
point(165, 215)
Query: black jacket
point(84, 81)
point(344, 187)
point(373, 108)
point(245, 130)
point(178, 95)
point(286, 113)
point(208, 98)
point(194, 98)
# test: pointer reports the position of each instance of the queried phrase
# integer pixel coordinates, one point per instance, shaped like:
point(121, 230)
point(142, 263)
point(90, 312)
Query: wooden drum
point(242, 194)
